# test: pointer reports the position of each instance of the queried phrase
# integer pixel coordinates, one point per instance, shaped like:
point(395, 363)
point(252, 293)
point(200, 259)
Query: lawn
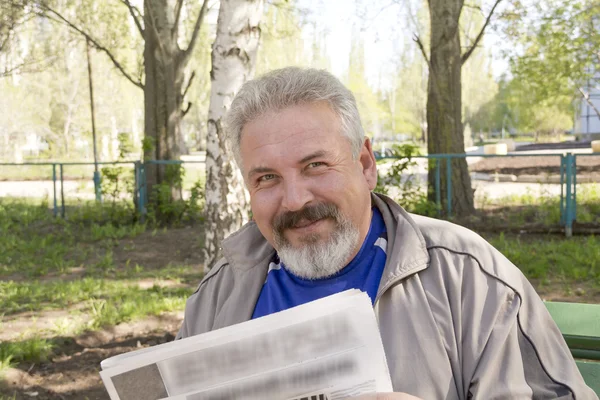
point(95, 270)
point(78, 290)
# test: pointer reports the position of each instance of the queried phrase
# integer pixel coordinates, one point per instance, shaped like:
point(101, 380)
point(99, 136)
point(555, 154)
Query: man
point(457, 319)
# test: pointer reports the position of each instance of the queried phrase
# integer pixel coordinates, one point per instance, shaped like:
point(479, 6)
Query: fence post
point(55, 208)
point(438, 192)
point(574, 215)
point(563, 217)
point(449, 186)
point(142, 192)
point(136, 185)
point(98, 186)
point(62, 192)
point(569, 197)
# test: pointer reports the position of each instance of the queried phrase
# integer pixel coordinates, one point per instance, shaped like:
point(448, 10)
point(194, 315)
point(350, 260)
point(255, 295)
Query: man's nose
point(296, 195)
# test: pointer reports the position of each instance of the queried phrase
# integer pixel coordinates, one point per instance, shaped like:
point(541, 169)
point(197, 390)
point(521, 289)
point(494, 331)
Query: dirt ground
point(73, 373)
point(539, 165)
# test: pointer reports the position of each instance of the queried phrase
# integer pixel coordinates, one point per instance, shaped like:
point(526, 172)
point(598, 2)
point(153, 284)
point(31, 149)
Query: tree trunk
point(444, 105)
point(233, 60)
point(163, 96)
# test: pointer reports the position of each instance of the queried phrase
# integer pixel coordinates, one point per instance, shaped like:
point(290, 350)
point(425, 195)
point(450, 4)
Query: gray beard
point(318, 259)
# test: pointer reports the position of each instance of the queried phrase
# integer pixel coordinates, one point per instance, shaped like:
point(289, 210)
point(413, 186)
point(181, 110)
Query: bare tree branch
point(187, 109)
point(417, 40)
point(175, 29)
point(28, 67)
point(188, 52)
point(60, 19)
point(587, 99)
point(473, 6)
point(136, 18)
point(466, 56)
point(187, 87)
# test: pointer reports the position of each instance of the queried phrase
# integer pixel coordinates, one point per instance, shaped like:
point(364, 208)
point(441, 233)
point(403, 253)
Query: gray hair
point(288, 87)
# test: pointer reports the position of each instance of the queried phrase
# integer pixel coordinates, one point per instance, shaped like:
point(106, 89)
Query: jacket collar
point(406, 250)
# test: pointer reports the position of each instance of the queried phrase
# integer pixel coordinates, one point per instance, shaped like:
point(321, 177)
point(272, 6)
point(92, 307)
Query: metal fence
point(568, 181)
point(443, 163)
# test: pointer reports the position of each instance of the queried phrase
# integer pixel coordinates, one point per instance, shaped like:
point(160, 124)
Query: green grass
point(573, 259)
point(588, 203)
point(54, 295)
point(135, 304)
point(32, 350)
point(34, 243)
point(38, 253)
point(540, 208)
point(104, 303)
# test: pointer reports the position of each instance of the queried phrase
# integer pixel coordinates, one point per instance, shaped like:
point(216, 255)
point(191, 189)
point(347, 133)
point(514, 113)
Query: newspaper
point(326, 349)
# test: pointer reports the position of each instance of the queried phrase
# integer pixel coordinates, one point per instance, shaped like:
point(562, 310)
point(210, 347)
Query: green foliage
point(167, 205)
point(148, 145)
point(406, 100)
point(369, 103)
point(478, 84)
point(518, 106)
point(400, 183)
point(282, 44)
point(117, 182)
point(559, 42)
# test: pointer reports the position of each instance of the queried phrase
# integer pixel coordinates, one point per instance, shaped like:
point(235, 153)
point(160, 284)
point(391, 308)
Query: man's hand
point(385, 396)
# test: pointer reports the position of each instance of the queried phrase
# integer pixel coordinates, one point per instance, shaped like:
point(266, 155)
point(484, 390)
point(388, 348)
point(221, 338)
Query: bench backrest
point(580, 326)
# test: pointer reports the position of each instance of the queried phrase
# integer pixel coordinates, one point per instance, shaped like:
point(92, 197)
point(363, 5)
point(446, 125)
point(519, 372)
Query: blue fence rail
point(568, 180)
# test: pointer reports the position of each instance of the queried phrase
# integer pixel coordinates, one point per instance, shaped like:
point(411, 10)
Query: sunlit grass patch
point(38, 296)
point(572, 259)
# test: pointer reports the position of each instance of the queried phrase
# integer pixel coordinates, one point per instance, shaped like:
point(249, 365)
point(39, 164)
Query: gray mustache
point(312, 213)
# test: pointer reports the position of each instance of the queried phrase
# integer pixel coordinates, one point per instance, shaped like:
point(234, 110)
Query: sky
point(383, 32)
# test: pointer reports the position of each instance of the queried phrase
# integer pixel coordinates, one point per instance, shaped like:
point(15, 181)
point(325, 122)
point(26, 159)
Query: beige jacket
point(458, 320)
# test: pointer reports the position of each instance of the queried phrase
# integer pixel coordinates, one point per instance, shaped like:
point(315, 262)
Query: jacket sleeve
point(202, 306)
point(511, 347)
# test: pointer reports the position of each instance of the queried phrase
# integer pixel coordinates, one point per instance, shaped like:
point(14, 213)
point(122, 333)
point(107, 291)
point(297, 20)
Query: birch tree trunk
point(233, 61)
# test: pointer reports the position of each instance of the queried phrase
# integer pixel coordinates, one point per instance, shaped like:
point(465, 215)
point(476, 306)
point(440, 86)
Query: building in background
point(587, 124)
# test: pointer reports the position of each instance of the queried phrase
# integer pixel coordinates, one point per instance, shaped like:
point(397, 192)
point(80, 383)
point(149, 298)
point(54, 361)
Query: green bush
point(167, 205)
point(407, 191)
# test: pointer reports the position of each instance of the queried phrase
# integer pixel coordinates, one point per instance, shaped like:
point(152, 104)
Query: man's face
point(305, 187)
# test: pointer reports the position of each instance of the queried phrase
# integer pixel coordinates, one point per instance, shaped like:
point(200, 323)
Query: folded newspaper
point(327, 349)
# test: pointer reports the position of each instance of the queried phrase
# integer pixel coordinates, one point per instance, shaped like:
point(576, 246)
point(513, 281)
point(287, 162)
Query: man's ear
point(369, 166)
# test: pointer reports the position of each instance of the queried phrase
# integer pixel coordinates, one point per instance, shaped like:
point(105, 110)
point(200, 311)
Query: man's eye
point(267, 177)
point(315, 164)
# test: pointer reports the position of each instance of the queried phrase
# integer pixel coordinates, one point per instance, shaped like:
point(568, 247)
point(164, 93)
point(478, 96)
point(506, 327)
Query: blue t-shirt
point(283, 290)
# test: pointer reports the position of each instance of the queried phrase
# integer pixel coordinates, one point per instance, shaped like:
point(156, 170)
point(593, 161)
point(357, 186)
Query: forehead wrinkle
point(282, 139)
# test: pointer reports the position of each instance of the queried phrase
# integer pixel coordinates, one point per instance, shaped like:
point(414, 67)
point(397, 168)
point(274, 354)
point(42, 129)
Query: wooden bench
point(580, 326)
